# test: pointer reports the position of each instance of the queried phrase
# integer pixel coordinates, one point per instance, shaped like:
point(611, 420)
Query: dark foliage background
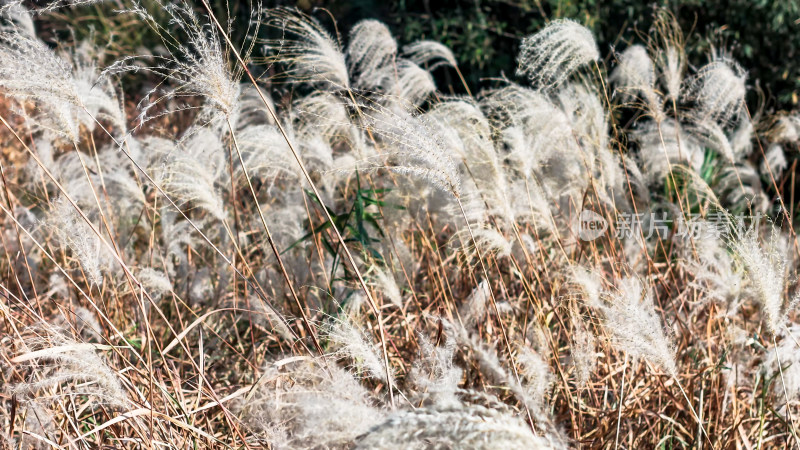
point(762, 35)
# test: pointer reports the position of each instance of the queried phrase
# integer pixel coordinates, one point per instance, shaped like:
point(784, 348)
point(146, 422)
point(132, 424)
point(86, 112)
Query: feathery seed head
point(302, 403)
point(635, 327)
point(430, 54)
point(74, 233)
point(766, 269)
point(60, 361)
point(30, 71)
point(384, 280)
point(198, 67)
point(550, 56)
point(416, 148)
point(775, 160)
point(314, 56)
point(352, 343)
point(664, 145)
point(718, 90)
point(371, 48)
point(433, 375)
point(636, 76)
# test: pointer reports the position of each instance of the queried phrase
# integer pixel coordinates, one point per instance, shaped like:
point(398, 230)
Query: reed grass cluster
point(301, 241)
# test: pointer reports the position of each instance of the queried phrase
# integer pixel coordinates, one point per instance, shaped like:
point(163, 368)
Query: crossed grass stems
point(331, 223)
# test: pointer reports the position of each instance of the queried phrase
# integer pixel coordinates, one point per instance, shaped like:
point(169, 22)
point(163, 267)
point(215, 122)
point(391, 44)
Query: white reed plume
point(265, 154)
point(385, 282)
point(30, 71)
point(713, 267)
point(787, 357)
point(466, 426)
point(314, 56)
point(301, 403)
point(352, 343)
point(192, 170)
point(472, 128)
point(589, 119)
point(550, 56)
point(589, 283)
point(785, 129)
point(774, 161)
point(636, 76)
point(742, 137)
point(540, 140)
point(766, 269)
point(20, 18)
point(57, 360)
point(251, 108)
point(197, 65)
point(82, 320)
point(156, 282)
point(473, 310)
point(535, 373)
point(414, 148)
point(718, 90)
point(491, 367)
point(714, 136)
point(324, 114)
point(665, 145)
point(582, 352)
point(405, 84)
point(671, 57)
point(72, 232)
point(430, 54)
point(740, 187)
point(672, 66)
point(97, 94)
point(635, 328)
point(371, 47)
point(488, 240)
point(433, 376)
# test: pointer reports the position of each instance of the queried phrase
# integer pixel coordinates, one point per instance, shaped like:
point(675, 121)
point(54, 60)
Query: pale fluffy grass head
point(301, 403)
point(775, 161)
point(193, 171)
point(670, 54)
point(550, 56)
point(430, 54)
point(765, 266)
point(314, 55)
point(415, 149)
point(662, 146)
point(406, 84)
point(635, 76)
point(630, 318)
point(718, 90)
point(352, 343)
point(72, 232)
point(196, 65)
point(31, 71)
point(467, 426)
point(582, 352)
point(434, 377)
point(56, 360)
point(371, 48)
point(789, 359)
point(384, 280)
point(473, 310)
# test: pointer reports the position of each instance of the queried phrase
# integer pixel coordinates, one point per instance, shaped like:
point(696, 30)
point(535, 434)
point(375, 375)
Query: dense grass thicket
point(288, 236)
